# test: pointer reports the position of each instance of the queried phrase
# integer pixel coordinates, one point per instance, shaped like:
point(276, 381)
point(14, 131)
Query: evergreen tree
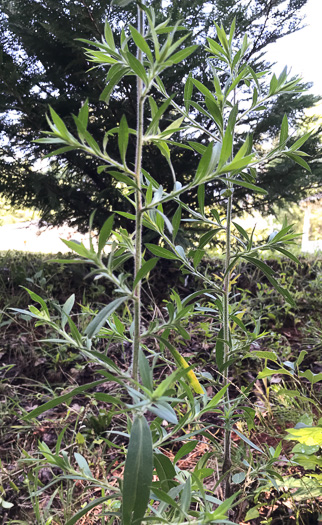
point(41, 67)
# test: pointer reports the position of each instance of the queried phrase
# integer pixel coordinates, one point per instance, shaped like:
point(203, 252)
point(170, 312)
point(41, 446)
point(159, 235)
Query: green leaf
point(309, 436)
point(269, 274)
point(203, 89)
point(174, 127)
point(239, 477)
point(182, 55)
point(188, 88)
point(83, 465)
point(106, 398)
point(220, 349)
point(37, 299)
point(223, 38)
point(144, 270)
point(108, 35)
point(298, 160)
point(313, 378)
point(123, 137)
point(221, 511)
point(6, 504)
point(216, 49)
point(116, 73)
point(208, 162)
point(227, 146)
point(215, 400)
point(159, 251)
point(145, 371)
point(61, 399)
point(300, 142)
point(273, 85)
point(100, 319)
point(122, 3)
point(185, 450)
point(168, 382)
point(206, 238)
point(122, 178)
point(74, 332)
point(241, 230)
point(83, 114)
point(305, 449)
point(141, 43)
point(153, 126)
point(185, 500)
point(165, 471)
point(284, 131)
point(252, 514)
point(239, 165)
point(265, 354)
point(164, 411)
point(248, 441)
point(56, 151)
point(201, 198)
point(215, 112)
point(136, 67)
point(176, 219)
point(88, 507)
point(105, 233)
point(59, 124)
point(268, 372)
point(77, 247)
point(286, 253)
point(137, 473)
point(244, 184)
point(163, 496)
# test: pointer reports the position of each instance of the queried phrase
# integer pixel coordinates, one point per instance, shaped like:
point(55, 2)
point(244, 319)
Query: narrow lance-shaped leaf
point(100, 319)
point(176, 222)
point(108, 35)
point(123, 137)
point(188, 88)
point(144, 270)
point(201, 198)
point(137, 473)
point(269, 274)
point(105, 233)
point(159, 251)
point(141, 43)
point(227, 145)
point(284, 131)
point(62, 399)
point(83, 114)
point(95, 503)
point(183, 54)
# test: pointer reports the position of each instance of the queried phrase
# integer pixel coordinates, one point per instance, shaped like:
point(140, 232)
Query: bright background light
point(302, 51)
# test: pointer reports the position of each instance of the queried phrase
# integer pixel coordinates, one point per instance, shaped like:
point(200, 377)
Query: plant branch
point(138, 207)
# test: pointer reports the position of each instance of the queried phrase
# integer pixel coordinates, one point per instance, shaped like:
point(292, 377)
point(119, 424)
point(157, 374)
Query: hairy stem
point(226, 333)
point(138, 209)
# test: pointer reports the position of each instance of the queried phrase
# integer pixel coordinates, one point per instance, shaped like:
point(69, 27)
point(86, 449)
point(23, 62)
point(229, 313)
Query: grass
point(31, 371)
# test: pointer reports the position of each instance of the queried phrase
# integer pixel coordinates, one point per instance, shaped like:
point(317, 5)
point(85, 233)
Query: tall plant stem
point(138, 208)
point(226, 334)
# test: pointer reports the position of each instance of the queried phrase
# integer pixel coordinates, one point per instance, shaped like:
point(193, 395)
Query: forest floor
point(32, 372)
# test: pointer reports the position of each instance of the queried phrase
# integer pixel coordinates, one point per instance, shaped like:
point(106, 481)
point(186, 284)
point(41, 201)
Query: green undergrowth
point(32, 372)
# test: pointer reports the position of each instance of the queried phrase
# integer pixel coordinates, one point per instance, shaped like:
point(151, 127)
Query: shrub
point(172, 410)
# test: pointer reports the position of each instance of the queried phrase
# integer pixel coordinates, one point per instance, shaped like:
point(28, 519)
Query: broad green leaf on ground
point(307, 435)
